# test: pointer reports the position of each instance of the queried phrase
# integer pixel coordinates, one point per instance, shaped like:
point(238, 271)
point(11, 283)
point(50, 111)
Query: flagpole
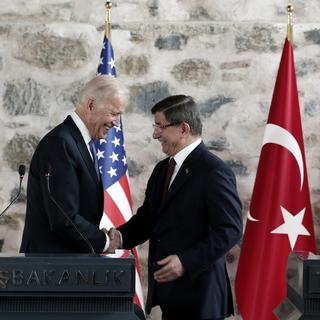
point(289, 25)
point(108, 7)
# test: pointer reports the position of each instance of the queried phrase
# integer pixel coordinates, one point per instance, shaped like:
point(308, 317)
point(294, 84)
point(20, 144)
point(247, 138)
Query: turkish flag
point(279, 219)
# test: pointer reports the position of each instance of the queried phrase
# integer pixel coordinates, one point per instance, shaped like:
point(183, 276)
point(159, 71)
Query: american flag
point(113, 167)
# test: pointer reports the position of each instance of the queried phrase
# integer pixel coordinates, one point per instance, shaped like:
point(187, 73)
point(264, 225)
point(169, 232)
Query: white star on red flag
point(292, 226)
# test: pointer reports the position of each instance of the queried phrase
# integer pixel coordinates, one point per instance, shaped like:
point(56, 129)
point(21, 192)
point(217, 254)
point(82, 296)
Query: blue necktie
point(94, 157)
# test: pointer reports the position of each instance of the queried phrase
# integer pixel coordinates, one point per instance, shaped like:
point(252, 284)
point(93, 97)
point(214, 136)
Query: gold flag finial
point(108, 7)
point(289, 26)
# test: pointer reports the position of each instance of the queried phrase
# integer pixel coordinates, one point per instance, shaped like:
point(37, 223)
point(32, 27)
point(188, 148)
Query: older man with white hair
point(74, 180)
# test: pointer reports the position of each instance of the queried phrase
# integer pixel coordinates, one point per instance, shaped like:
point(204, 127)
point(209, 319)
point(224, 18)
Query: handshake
point(115, 240)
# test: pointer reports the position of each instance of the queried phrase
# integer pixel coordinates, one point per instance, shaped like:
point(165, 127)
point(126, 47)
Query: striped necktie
point(94, 157)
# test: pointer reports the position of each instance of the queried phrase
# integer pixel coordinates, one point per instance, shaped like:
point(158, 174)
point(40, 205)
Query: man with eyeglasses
point(74, 179)
point(192, 217)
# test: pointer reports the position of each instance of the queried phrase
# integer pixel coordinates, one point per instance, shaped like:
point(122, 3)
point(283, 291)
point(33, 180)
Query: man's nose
point(155, 134)
point(117, 120)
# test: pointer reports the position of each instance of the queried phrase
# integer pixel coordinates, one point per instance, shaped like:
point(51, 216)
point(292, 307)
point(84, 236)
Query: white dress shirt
point(181, 156)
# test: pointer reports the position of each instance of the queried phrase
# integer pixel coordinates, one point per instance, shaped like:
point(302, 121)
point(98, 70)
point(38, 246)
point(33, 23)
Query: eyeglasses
point(163, 126)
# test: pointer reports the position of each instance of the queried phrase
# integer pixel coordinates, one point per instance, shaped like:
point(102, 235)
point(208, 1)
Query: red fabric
point(281, 186)
point(169, 174)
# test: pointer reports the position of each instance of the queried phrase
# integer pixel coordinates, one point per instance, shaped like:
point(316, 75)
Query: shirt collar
point(82, 127)
point(183, 154)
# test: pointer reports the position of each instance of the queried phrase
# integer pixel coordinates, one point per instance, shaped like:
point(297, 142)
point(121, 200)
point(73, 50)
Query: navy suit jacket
point(200, 221)
point(74, 185)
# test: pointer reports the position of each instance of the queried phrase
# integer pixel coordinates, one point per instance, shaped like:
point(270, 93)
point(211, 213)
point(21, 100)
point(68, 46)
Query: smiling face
point(101, 117)
point(170, 137)
point(101, 102)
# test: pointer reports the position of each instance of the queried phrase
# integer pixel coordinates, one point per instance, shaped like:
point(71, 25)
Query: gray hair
point(101, 88)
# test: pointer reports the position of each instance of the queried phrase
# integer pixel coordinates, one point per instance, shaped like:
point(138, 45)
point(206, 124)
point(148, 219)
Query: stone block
point(134, 168)
point(144, 97)
point(142, 32)
point(49, 51)
point(307, 66)
point(232, 76)
point(313, 36)
point(194, 71)
point(200, 13)
point(171, 42)
point(208, 107)
point(238, 64)
point(218, 144)
point(19, 150)
point(312, 108)
point(58, 11)
point(153, 6)
point(26, 97)
point(238, 167)
point(258, 38)
point(133, 65)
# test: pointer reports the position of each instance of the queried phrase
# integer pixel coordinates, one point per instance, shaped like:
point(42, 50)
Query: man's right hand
point(115, 240)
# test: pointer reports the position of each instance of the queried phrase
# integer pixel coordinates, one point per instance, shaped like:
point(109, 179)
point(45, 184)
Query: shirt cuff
point(107, 243)
point(121, 241)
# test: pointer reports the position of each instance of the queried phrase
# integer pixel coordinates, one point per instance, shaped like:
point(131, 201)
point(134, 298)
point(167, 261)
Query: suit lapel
point(158, 184)
point(187, 169)
point(82, 148)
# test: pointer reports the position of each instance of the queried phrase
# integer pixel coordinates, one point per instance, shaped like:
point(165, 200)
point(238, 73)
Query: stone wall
point(224, 53)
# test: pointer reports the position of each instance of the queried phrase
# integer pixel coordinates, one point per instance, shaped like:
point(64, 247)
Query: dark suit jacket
point(74, 185)
point(200, 221)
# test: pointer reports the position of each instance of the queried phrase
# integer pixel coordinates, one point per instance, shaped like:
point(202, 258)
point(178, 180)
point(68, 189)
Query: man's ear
point(185, 128)
point(91, 103)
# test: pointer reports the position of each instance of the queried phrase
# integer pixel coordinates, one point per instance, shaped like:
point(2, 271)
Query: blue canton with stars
point(106, 65)
point(111, 157)
point(111, 154)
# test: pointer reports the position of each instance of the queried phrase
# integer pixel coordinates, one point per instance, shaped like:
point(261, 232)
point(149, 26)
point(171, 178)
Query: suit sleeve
point(137, 229)
point(66, 176)
point(225, 218)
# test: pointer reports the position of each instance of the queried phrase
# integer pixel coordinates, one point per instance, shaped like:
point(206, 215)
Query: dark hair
point(178, 109)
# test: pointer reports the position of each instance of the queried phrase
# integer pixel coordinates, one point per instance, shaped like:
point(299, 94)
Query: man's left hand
point(172, 269)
